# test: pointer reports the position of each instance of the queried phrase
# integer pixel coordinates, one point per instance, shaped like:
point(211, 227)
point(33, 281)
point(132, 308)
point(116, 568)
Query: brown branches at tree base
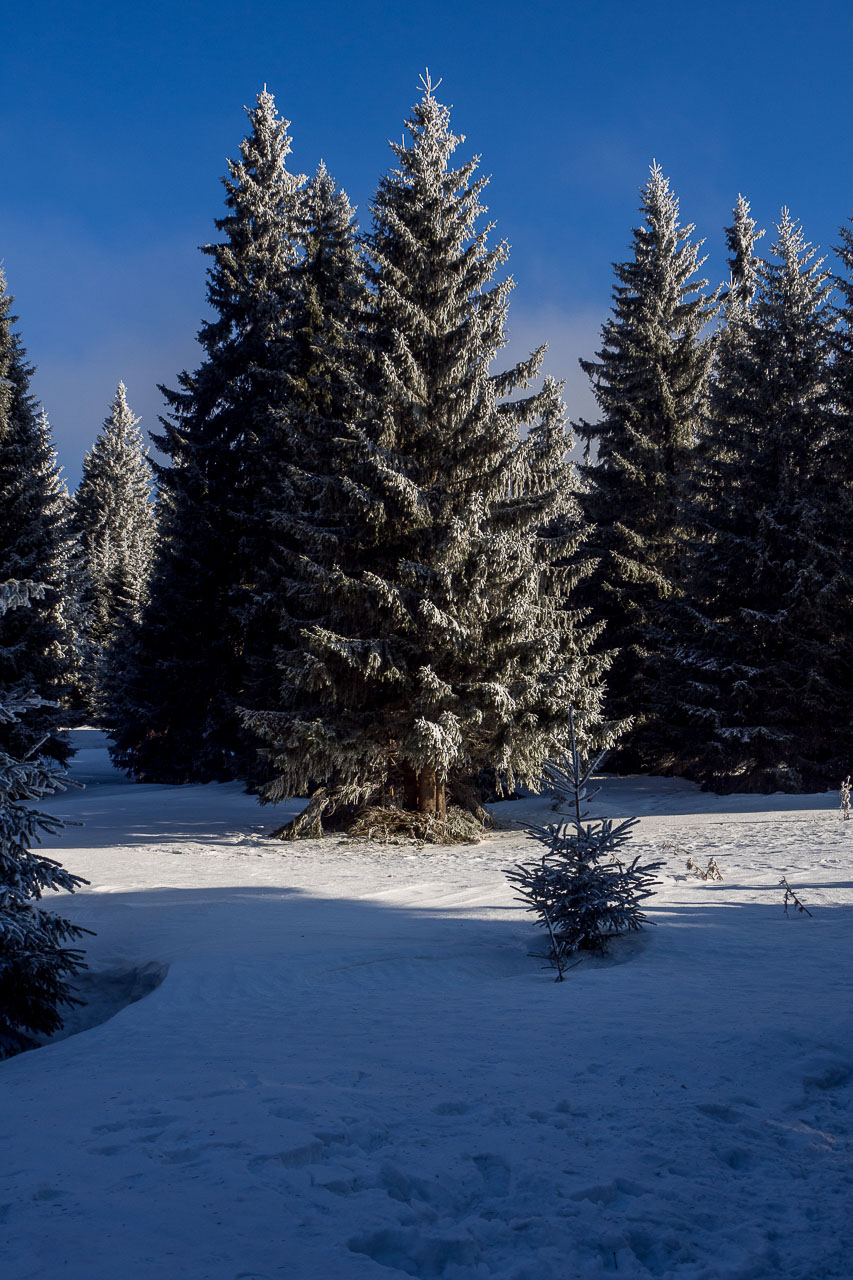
point(383, 824)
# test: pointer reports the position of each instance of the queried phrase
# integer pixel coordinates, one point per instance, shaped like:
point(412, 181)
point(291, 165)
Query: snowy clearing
point(351, 1067)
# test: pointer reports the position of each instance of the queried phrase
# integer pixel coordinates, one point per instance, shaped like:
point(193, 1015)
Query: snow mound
point(105, 993)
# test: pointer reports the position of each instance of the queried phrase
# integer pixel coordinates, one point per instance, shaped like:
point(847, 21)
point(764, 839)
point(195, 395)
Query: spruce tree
point(299, 447)
point(741, 239)
point(682, 694)
point(838, 492)
point(650, 379)
point(38, 646)
point(172, 711)
point(766, 657)
point(114, 519)
point(581, 900)
point(843, 338)
point(70, 576)
point(36, 965)
point(442, 646)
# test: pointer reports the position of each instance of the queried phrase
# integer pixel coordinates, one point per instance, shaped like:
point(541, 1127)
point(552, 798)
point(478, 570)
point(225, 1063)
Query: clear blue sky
point(116, 121)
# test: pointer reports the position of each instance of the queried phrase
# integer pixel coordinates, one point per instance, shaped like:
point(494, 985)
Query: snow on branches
point(35, 965)
point(581, 891)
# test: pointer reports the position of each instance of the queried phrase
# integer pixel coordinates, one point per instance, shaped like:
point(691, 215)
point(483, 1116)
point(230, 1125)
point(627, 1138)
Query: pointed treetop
point(430, 136)
point(265, 106)
point(793, 248)
point(742, 219)
point(741, 238)
point(269, 130)
point(660, 202)
point(121, 408)
point(789, 231)
point(427, 85)
point(657, 188)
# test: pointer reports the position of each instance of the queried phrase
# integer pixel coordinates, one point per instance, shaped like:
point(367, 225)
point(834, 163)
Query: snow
point(344, 1063)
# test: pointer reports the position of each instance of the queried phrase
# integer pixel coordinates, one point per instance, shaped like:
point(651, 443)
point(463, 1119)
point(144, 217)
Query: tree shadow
point(249, 942)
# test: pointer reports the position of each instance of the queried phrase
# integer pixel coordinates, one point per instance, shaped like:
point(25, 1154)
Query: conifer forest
point(373, 566)
point(315, 679)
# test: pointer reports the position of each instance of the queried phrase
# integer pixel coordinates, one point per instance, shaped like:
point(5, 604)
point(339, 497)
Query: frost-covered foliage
point(38, 646)
point(650, 379)
point(172, 714)
point(580, 889)
point(741, 239)
point(679, 734)
point(35, 962)
point(437, 641)
point(711, 872)
point(114, 520)
point(839, 476)
point(297, 534)
point(762, 662)
point(790, 899)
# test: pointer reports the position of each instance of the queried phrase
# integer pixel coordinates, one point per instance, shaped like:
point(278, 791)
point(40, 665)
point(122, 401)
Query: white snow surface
point(353, 1068)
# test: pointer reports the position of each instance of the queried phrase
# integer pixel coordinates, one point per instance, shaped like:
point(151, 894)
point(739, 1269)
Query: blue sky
point(115, 121)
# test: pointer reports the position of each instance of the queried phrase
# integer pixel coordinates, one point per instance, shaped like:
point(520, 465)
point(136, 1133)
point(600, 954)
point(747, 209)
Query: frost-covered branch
point(581, 891)
point(791, 899)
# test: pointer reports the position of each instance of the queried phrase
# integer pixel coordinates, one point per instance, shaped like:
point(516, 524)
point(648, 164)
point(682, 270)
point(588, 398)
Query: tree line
point(378, 577)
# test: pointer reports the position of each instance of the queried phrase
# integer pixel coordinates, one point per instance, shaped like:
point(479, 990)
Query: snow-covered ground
point(353, 1068)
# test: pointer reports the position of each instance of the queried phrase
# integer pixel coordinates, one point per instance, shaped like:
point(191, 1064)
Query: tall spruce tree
point(442, 646)
point(683, 696)
point(38, 647)
point(70, 577)
point(301, 464)
point(173, 714)
point(650, 379)
point(765, 662)
point(838, 494)
point(114, 519)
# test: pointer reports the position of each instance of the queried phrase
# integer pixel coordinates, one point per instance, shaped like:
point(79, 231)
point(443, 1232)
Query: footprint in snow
point(453, 1109)
point(416, 1254)
point(296, 1158)
point(609, 1193)
point(719, 1111)
point(155, 1121)
point(495, 1172)
point(736, 1158)
point(827, 1075)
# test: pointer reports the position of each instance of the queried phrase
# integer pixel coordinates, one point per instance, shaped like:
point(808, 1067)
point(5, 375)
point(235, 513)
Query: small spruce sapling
point(579, 888)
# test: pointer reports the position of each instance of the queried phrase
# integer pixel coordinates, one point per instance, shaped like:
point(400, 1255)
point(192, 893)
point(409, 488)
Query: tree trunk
point(424, 791)
point(410, 786)
point(427, 783)
point(309, 823)
point(432, 798)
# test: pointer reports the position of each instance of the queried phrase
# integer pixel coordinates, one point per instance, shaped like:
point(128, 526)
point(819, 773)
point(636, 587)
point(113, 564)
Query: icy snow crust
point(353, 1068)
